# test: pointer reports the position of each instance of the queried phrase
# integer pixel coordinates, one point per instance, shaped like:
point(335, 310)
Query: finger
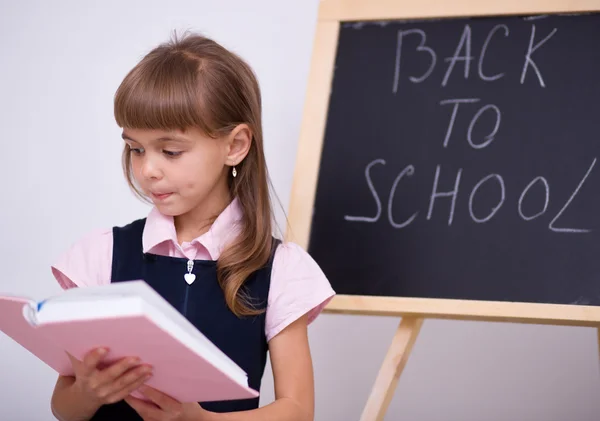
point(75, 363)
point(146, 410)
point(91, 360)
point(128, 383)
point(117, 369)
point(164, 401)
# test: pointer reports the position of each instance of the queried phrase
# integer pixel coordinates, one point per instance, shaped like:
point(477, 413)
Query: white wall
point(60, 63)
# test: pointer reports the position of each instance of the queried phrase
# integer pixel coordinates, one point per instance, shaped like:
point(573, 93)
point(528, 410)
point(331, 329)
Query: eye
point(136, 151)
point(172, 154)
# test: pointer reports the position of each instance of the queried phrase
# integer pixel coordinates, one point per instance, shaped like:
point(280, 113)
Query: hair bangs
point(163, 93)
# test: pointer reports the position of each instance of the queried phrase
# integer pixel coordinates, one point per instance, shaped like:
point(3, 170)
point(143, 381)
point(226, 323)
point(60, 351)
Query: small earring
point(234, 172)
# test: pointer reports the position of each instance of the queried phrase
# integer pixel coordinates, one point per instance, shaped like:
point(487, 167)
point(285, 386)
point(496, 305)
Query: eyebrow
point(160, 139)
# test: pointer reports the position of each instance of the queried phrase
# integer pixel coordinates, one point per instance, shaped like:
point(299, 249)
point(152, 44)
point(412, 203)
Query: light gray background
point(60, 176)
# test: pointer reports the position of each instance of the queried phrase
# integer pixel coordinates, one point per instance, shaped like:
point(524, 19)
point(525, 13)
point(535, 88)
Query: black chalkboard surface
point(460, 160)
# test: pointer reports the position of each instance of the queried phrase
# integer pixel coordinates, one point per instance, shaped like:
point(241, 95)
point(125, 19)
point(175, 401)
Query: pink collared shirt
point(298, 285)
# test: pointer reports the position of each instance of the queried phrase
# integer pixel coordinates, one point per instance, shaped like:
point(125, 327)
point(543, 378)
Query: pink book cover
point(178, 371)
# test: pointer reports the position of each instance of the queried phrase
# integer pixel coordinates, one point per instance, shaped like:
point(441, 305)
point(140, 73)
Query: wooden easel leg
point(599, 340)
point(391, 369)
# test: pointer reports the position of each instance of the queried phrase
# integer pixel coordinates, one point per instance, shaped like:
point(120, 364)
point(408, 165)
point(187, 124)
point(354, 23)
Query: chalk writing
point(463, 53)
point(453, 194)
point(530, 51)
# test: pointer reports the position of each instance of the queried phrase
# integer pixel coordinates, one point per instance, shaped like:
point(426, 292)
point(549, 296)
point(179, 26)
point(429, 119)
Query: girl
point(191, 118)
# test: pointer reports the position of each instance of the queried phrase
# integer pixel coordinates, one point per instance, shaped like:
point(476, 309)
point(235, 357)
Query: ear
point(238, 143)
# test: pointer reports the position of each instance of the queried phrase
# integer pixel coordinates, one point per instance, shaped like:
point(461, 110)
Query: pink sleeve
point(298, 286)
point(88, 262)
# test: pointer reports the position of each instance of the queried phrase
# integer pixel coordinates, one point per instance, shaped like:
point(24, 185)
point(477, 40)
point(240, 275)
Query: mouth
point(160, 196)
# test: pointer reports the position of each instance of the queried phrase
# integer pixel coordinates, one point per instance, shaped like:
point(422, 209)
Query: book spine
point(30, 313)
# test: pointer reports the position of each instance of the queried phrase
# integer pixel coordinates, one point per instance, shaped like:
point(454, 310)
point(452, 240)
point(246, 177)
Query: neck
point(199, 220)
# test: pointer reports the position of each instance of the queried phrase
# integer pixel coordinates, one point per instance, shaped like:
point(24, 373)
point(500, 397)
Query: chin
point(173, 209)
point(168, 210)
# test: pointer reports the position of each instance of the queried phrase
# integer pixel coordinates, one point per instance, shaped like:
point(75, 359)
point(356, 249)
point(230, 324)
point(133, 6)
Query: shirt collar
point(160, 228)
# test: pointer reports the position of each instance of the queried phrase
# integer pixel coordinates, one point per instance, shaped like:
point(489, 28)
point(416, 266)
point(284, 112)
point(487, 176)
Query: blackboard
point(459, 160)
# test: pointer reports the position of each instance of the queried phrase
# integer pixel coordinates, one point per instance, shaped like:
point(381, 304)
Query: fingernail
point(102, 351)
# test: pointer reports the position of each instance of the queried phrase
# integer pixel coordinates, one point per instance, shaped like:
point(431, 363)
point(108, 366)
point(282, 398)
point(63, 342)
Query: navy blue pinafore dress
point(203, 303)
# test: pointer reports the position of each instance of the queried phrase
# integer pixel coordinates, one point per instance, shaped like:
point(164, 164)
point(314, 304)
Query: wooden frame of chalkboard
point(413, 310)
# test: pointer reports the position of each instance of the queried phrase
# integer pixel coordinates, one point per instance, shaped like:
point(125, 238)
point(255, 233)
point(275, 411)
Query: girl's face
point(180, 172)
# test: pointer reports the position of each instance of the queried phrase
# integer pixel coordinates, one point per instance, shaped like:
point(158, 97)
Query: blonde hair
point(193, 81)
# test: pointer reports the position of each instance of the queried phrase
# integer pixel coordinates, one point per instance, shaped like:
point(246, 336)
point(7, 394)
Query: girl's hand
point(164, 408)
point(109, 384)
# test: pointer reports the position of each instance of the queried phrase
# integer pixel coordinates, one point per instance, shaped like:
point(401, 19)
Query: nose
point(150, 169)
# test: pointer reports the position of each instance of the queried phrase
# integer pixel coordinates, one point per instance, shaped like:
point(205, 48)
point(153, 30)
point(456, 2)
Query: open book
point(131, 319)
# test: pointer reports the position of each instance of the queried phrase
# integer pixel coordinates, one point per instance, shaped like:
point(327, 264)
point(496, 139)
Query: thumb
point(76, 364)
point(74, 361)
point(89, 363)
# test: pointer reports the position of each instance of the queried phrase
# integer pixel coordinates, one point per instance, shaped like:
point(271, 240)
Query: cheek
point(188, 179)
point(135, 169)
point(202, 173)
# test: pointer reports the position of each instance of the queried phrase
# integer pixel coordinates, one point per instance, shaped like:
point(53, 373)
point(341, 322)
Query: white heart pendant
point(189, 278)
